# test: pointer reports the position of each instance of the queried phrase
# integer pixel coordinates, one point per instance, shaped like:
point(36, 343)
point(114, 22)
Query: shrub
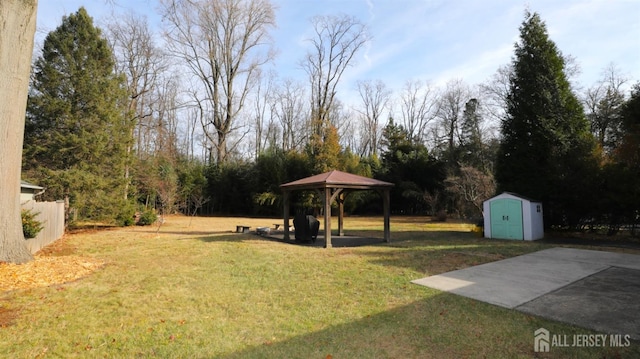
point(441, 216)
point(127, 216)
point(125, 220)
point(30, 225)
point(147, 218)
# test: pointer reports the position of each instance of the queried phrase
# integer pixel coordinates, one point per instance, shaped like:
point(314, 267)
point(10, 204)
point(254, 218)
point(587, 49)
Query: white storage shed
point(511, 216)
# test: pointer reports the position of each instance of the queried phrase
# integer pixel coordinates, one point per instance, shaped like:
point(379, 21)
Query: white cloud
point(477, 69)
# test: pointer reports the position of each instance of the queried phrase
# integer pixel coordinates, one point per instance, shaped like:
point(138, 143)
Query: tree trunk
point(17, 28)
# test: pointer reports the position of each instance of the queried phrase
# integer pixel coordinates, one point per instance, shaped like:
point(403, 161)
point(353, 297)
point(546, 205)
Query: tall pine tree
point(546, 151)
point(77, 131)
point(472, 151)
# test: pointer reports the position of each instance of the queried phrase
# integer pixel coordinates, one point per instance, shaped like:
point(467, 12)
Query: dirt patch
point(61, 247)
point(8, 316)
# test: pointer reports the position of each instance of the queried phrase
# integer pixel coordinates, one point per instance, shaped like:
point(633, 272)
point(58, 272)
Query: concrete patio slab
point(623, 260)
point(594, 289)
point(514, 281)
point(608, 301)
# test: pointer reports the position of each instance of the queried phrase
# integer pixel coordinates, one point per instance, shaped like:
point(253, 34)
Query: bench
point(242, 229)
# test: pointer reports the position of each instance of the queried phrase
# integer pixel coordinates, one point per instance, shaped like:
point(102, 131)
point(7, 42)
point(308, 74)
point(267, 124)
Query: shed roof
point(336, 179)
point(512, 194)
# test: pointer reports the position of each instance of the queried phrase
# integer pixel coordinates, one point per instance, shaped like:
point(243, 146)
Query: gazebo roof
point(336, 179)
point(334, 184)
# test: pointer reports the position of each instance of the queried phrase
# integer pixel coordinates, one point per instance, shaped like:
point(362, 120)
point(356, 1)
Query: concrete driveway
point(592, 289)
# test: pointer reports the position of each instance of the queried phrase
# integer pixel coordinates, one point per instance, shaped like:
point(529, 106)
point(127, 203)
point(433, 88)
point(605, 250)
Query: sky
point(429, 40)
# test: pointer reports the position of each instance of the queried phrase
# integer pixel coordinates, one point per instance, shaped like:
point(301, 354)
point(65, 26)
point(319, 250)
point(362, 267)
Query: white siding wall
point(486, 212)
point(537, 223)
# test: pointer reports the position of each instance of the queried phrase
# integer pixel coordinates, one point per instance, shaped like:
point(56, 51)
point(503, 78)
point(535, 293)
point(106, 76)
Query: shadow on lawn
point(426, 252)
point(404, 332)
point(363, 238)
point(440, 326)
point(337, 242)
point(223, 236)
point(434, 252)
point(184, 233)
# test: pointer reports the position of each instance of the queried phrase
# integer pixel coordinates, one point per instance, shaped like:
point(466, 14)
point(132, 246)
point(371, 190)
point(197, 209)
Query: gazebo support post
point(285, 199)
point(340, 201)
point(327, 217)
point(338, 195)
point(387, 214)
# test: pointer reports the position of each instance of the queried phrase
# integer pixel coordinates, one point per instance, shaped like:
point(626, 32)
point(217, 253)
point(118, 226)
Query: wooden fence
point(51, 215)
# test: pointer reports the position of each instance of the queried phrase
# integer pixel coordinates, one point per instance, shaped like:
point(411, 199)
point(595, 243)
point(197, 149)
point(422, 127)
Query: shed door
point(506, 219)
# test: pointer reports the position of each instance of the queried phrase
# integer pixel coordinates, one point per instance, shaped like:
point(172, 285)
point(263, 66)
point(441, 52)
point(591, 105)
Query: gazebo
point(333, 186)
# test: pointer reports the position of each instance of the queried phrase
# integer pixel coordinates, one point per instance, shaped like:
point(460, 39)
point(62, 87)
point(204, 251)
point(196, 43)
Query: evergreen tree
point(606, 120)
point(620, 192)
point(629, 150)
point(76, 131)
point(472, 150)
point(546, 151)
point(417, 175)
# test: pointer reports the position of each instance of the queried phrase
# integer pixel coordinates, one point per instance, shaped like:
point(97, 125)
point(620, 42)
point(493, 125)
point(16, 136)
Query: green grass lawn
point(196, 290)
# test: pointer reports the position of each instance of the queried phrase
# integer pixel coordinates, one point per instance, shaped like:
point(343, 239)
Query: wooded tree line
point(194, 120)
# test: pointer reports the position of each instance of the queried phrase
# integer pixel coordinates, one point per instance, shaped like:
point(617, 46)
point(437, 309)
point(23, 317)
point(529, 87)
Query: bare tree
point(340, 117)
point(470, 188)
point(138, 58)
point(418, 104)
point(164, 119)
point(190, 138)
point(603, 102)
point(18, 19)
point(289, 108)
point(141, 62)
point(262, 115)
point(223, 43)
point(375, 99)
point(451, 105)
point(494, 93)
point(336, 42)
point(572, 70)
point(153, 91)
